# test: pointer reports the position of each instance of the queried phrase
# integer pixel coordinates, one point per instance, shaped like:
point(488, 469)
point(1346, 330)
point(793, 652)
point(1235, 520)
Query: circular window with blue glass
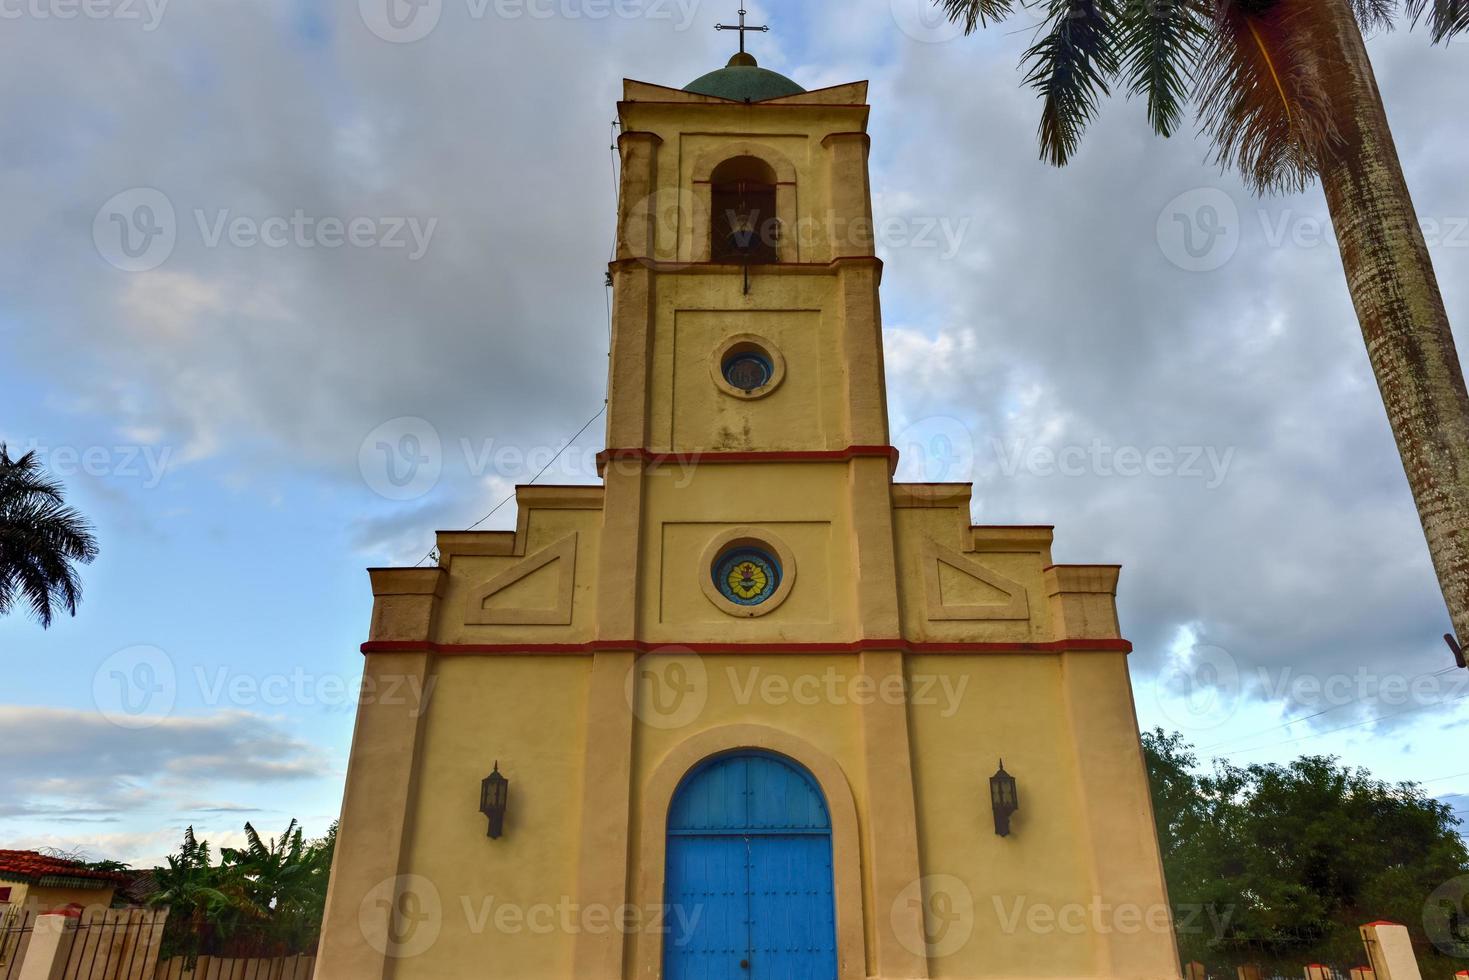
point(747, 366)
point(747, 576)
point(747, 571)
point(748, 370)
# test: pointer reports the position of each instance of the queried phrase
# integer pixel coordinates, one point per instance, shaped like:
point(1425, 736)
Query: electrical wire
point(1345, 704)
point(1359, 724)
point(607, 299)
point(511, 496)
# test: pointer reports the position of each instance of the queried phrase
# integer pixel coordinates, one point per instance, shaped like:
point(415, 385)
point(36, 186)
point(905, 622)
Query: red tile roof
point(32, 866)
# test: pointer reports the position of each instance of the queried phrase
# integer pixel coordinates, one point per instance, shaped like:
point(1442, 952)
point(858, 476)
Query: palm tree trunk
point(1402, 314)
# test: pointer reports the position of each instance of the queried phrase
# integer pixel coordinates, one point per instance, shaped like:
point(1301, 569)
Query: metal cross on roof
point(741, 28)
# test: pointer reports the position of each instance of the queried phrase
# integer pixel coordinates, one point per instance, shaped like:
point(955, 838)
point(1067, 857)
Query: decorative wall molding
point(1016, 605)
point(563, 555)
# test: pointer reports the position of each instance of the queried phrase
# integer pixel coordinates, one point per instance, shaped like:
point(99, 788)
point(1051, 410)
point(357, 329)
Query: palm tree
point(285, 882)
point(1286, 94)
point(190, 888)
point(263, 899)
point(41, 540)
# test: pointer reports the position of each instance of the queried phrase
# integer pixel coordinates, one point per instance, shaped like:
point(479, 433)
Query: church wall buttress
point(638, 207)
point(861, 319)
point(607, 749)
point(849, 195)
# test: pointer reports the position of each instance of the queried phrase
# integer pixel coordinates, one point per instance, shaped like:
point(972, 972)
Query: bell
point(742, 230)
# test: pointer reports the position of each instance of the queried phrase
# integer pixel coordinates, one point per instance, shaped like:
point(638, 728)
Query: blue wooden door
point(749, 879)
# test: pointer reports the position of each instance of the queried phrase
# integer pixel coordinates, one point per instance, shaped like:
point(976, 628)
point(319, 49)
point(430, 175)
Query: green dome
point(744, 81)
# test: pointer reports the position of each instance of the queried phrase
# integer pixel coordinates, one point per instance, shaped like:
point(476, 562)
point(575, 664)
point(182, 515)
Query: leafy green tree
point(263, 899)
point(284, 884)
point(1286, 93)
point(1280, 865)
point(41, 540)
point(189, 886)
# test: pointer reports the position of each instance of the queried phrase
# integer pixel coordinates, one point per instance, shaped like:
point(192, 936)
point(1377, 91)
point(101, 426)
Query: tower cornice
point(775, 269)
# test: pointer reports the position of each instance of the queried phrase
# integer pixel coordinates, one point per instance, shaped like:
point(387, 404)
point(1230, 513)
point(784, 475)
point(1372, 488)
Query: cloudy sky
point(245, 240)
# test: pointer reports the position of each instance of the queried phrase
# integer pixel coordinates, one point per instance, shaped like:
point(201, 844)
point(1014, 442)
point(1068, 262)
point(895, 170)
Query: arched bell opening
point(744, 226)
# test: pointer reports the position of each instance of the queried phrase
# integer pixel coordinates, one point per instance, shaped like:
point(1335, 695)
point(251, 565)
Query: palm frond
point(1374, 15)
point(24, 478)
point(1069, 67)
point(41, 540)
point(1161, 41)
point(974, 14)
point(1262, 96)
point(1446, 18)
point(194, 852)
point(256, 847)
point(39, 525)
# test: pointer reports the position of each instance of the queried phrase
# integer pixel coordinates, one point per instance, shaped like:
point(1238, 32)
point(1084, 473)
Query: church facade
point(740, 710)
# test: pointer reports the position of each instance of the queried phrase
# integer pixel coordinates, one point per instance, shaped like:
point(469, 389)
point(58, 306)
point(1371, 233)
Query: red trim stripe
point(651, 458)
point(642, 646)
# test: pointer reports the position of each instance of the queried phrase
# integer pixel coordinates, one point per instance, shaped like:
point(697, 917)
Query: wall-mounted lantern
point(1005, 799)
point(493, 792)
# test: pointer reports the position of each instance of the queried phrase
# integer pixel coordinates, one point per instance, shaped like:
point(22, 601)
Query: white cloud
point(58, 763)
point(1059, 320)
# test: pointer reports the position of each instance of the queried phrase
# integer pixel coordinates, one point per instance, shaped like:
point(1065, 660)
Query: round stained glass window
point(747, 576)
point(748, 370)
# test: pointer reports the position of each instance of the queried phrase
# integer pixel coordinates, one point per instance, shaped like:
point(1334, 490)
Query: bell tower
point(747, 420)
point(745, 280)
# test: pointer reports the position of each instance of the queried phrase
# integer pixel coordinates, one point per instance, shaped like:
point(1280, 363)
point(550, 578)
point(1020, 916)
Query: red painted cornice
point(1112, 645)
point(651, 458)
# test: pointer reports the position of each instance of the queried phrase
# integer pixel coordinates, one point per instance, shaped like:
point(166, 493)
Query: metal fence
point(15, 936)
point(1275, 971)
point(115, 944)
point(227, 968)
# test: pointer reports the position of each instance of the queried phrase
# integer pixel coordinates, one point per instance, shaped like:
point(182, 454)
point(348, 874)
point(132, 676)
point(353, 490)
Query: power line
point(1246, 738)
point(607, 300)
point(511, 496)
point(585, 425)
point(1437, 779)
point(1318, 714)
point(616, 216)
point(616, 192)
point(1359, 724)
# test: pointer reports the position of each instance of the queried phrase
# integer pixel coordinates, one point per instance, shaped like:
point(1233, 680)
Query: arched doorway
point(749, 873)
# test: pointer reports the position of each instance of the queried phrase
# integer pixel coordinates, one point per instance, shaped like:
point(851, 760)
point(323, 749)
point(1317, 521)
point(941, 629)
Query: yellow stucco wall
point(808, 510)
point(586, 654)
point(531, 711)
point(44, 898)
point(696, 312)
point(1011, 707)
